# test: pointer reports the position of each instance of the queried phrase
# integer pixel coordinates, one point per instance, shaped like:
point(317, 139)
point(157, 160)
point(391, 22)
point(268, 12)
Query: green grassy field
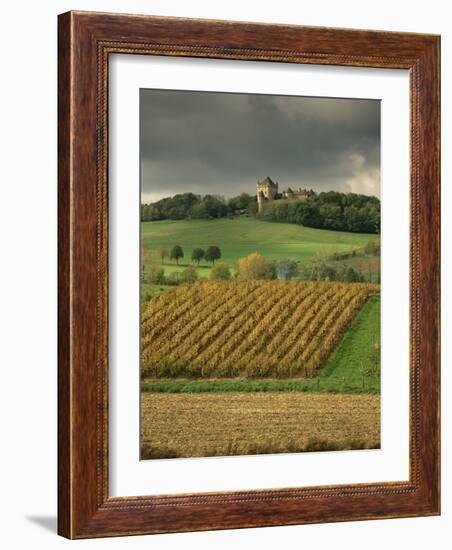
point(350, 363)
point(241, 236)
point(203, 269)
point(148, 290)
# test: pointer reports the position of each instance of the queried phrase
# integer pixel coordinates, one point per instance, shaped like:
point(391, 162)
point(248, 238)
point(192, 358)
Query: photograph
point(259, 274)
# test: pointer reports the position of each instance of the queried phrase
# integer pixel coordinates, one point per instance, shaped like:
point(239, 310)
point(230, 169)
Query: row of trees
point(332, 210)
point(251, 267)
point(323, 271)
point(322, 267)
point(191, 206)
point(256, 267)
point(211, 254)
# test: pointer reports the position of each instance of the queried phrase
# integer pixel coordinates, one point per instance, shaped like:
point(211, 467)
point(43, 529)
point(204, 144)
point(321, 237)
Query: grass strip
point(316, 384)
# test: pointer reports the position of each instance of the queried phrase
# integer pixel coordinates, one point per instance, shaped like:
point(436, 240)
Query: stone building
point(267, 191)
point(299, 193)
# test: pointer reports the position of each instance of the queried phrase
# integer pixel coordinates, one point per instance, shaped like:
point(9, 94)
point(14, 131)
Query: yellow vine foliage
point(247, 328)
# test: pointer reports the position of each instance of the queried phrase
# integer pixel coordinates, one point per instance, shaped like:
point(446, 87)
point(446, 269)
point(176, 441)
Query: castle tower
point(260, 201)
point(266, 191)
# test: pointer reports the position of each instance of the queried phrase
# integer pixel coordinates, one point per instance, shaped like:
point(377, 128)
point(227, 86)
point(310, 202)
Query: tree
point(145, 212)
point(350, 275)
point(286, 269)
point(176, 253)
point(162, 253)
point(220, 272)
point(252, 208)
point(145, 255)
point(319, 270)
point(215, 207)
point(212, 253)
point(173, 278)
point(372, 248)
point(255, 266)
point(326, 272)
point(188, 275)
point(156, 275)
point(374, 357)
point(144, 260)
point(240, 202)
point(199, 211)
point(197, 255)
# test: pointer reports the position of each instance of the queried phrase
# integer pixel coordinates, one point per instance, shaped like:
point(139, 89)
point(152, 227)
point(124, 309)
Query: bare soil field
point(220, 424)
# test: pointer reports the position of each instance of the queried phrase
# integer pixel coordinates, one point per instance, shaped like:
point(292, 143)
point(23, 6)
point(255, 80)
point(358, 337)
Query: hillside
point(325, 210)
point(238, 237)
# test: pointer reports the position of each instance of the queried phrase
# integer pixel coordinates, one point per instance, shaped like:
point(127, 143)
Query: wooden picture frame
point(85, 42)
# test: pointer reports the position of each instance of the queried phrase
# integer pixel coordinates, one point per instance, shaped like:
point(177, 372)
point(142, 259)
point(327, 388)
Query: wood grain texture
point(64, 295)
point(85, 42)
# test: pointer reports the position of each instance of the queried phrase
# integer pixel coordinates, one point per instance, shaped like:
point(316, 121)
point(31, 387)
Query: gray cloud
point(223, 143)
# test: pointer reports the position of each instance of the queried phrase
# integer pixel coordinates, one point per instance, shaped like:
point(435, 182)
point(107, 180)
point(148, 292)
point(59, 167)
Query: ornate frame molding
point(85, 42)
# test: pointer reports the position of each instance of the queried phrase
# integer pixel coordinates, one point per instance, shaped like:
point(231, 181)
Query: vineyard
point(251, 329)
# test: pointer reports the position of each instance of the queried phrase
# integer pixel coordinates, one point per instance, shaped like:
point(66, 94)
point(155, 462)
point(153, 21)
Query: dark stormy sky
point(222, 143)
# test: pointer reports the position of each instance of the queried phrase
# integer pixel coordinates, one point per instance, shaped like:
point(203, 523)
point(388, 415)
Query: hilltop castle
point(267, 191)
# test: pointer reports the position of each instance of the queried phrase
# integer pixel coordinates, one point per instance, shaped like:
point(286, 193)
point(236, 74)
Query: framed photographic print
point(248, 275)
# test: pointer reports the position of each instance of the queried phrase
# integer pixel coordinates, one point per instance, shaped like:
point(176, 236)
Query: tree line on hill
point(327, 210)
point(190, 206)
